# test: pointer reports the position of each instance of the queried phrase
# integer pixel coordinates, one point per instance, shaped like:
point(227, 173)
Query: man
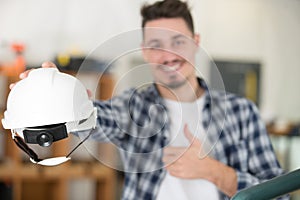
point(156, 139)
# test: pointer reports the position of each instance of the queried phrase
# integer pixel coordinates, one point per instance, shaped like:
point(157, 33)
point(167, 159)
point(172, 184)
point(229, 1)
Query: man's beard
point(175, 84)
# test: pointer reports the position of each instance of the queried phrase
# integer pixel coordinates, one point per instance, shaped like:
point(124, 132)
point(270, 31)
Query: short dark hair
point(167, 9)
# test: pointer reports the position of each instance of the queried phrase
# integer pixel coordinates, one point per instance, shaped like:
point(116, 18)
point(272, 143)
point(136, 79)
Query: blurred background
point(255, 45)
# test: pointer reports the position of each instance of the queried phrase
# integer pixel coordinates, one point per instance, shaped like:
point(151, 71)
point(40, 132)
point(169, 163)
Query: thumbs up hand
point(190, 163)
point(185, 162)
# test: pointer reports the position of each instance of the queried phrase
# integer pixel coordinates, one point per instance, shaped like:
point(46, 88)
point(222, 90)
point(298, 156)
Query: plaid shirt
point(137, 123)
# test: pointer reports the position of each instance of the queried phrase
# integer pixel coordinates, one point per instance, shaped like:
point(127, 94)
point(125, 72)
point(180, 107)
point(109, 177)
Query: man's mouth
point(172, 68)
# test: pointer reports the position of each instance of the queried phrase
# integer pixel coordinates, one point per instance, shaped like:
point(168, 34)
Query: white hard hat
point(48, 97)
point(45, 107)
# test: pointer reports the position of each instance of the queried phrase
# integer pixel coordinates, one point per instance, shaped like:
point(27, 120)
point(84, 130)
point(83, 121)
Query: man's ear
point(197, 38)
point(144, 52)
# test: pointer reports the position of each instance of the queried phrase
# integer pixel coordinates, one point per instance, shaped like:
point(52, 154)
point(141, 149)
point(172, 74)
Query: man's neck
point(188, 92)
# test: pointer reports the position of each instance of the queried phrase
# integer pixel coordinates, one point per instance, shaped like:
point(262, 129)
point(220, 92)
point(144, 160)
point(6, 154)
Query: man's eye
point(154, 46)
point(178, 43)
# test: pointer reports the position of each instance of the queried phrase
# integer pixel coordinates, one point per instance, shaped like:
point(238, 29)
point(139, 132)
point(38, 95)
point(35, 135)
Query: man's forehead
point(162, 34)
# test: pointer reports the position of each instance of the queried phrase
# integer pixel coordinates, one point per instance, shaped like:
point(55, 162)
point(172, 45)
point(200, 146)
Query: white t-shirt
point(186, 189)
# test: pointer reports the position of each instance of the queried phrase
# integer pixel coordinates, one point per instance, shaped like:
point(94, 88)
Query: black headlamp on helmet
point(45, 135)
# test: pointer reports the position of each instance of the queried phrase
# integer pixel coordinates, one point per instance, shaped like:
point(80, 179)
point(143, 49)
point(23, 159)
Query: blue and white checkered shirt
point(137, 123)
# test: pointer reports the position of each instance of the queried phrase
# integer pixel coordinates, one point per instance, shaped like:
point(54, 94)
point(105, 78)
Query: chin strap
point(22, 145)
point(49, 161)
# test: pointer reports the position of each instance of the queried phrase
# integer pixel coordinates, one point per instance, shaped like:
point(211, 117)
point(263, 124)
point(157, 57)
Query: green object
point(272, 188)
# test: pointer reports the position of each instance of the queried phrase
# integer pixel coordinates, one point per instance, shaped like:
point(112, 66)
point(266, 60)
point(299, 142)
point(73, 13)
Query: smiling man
point(243, 155)
point(170, 46)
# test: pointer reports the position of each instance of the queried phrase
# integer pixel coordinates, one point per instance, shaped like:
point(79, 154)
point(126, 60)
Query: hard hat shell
point(46, 97)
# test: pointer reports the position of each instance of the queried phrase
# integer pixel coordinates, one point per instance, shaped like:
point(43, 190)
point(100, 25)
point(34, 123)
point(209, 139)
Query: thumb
point(194, 141)
point(188, 134)
point(90, 93)
point(48, 64)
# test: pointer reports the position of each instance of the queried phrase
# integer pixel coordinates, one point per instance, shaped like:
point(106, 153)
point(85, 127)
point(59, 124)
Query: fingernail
point(21, 75)
point(11, 86)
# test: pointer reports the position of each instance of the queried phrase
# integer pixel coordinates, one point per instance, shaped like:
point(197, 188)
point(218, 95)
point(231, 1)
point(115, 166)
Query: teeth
point(170, 68)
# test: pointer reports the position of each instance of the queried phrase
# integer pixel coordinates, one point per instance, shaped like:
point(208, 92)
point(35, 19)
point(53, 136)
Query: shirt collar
point(156, 97)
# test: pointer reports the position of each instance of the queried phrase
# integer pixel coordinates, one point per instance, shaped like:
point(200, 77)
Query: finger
point(174, 170)
point(25, 74)
point(48, 64)
point(167, 160)
point(21, 76)
point(188, 133)
point(174, 150)
point(195, 142)
point(172, 154)
point(171, 168)
point(190, 136)
point(12, 85)
point(90, 94)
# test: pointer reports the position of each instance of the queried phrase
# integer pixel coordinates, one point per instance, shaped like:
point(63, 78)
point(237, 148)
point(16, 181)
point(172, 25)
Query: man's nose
point(168, 57)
